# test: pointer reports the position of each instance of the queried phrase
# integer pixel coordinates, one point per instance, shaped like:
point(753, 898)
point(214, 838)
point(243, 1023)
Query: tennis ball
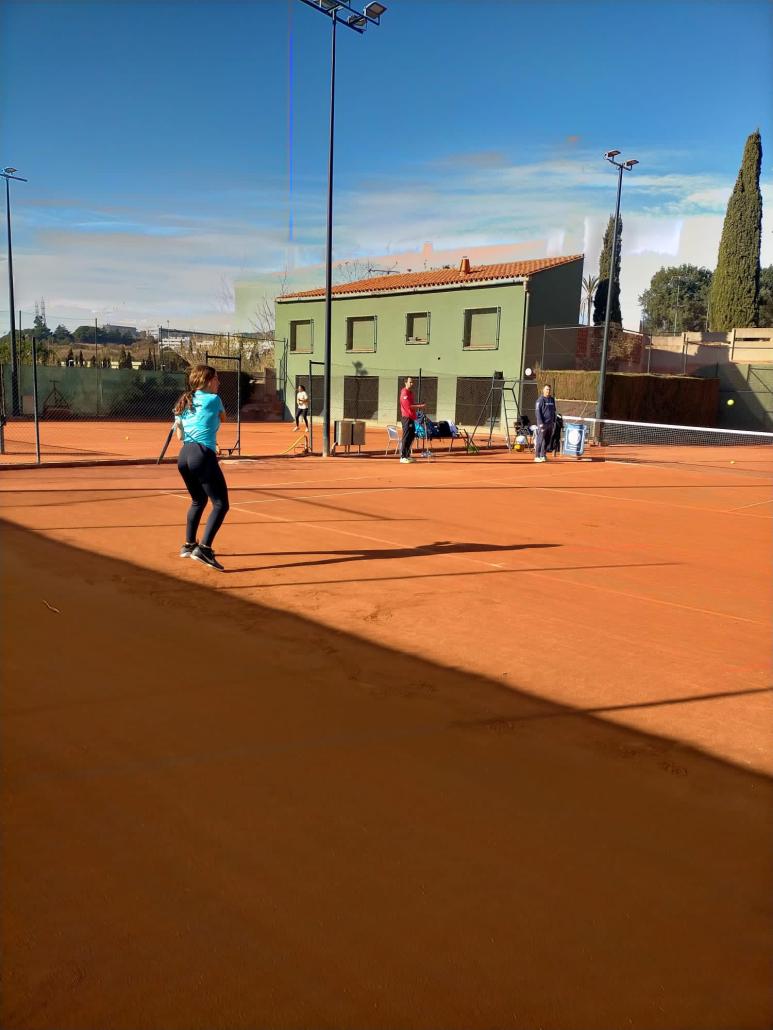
point(732, 462)
point(126, 438)
point(730, 402)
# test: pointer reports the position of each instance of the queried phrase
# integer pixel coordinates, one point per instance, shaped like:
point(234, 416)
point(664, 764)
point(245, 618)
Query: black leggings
point(409, 435)
point(203, 477)
point(301, 413)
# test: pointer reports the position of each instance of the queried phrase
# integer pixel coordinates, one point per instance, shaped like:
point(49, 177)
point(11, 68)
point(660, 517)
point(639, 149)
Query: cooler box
point(575, 434)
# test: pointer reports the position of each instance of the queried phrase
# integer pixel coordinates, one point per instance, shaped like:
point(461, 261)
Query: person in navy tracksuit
point(546, 423)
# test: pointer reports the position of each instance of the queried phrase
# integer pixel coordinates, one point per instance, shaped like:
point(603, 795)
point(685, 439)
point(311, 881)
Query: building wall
point(443, 357)
point(555, 295)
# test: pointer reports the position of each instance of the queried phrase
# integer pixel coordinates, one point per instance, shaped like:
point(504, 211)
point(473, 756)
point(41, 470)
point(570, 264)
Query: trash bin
point(575, 434)
point(343, 432)
point(358, 432)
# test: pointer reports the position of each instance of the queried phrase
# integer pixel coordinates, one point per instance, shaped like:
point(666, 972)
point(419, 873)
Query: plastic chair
point(393, 437)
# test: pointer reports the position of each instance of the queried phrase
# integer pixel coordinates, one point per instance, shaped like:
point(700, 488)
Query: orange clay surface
point(472, 742)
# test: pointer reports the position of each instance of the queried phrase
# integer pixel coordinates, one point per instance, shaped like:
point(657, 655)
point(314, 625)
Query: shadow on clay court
point(440, 547)
point(221, 814)
point(411, 576)
point(601, 709)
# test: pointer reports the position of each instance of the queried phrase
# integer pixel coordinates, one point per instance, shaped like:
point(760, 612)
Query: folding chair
point(393, 437)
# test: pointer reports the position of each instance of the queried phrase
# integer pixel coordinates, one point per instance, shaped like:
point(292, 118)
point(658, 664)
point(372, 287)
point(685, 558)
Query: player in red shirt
point(408, 409)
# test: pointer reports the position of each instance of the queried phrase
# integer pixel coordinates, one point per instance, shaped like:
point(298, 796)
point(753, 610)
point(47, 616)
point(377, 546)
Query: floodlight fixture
point(621, 166)
point(7, 174)
point(374, 10)
point(340, 12)
point(528, 372)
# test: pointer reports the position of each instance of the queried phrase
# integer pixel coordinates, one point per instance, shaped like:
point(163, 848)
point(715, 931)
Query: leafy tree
point(676, 296)
point(70, 359)
point(735, 289)
point(766, 297)
point(607, 267)
point(84, 334)
point(125, 359)
point(39, 327)
point(62, 334)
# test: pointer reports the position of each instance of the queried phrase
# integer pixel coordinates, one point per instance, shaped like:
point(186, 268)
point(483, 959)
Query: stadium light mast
point(8, 174)
point(340, 13)
point(622, 166)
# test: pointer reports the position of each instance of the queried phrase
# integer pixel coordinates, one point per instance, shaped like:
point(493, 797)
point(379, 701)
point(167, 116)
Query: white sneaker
point(406, 461)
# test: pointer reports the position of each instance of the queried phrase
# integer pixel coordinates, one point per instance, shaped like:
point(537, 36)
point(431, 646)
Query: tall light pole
point(343, 14)
point(7, 174)
point(624, 166)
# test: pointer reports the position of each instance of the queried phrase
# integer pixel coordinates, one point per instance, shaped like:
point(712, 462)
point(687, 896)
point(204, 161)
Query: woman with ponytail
point(198, 415)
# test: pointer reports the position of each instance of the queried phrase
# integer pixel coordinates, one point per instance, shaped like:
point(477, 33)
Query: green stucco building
point(455, 327)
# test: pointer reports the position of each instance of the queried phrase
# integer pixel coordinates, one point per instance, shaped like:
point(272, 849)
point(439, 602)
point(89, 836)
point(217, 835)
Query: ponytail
point(198, 377)
point(185, 401)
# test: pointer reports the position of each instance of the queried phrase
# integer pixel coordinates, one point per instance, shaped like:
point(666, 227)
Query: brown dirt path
point(221, 815)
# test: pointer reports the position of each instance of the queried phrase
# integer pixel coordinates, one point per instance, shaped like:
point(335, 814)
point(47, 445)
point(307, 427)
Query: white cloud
point(168, 261)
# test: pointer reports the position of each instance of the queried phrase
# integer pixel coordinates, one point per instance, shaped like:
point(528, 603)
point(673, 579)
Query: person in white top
point(301, 407)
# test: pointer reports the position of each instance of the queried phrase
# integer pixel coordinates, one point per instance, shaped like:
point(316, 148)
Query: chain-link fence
point(95, 390)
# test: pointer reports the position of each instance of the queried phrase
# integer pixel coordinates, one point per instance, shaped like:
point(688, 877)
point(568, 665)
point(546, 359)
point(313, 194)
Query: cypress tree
point(600, 299)
point(735, 288)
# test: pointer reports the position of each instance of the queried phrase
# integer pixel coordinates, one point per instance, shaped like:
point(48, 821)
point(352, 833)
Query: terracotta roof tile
point(441, 277)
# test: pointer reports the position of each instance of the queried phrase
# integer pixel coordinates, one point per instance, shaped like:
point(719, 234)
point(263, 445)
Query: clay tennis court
point(468, 743)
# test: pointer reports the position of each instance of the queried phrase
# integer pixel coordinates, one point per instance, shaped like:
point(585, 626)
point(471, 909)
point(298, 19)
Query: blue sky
point(173, 148)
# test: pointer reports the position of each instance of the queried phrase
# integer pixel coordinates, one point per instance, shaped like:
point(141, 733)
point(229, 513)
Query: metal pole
point(11, 303)
point(2, 409)
point(310, 392)
point(326, 390)
point(96, 363)
point(239, 405)
point(610, 282)
point(35, 397)
point(676, 308)
point(491, 411)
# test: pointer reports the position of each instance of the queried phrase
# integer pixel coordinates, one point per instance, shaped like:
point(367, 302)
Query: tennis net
point(659, 443)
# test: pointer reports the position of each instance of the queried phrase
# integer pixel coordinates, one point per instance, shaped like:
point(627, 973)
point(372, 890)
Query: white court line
point(346, 532)
point(526, 570)
point(754, 505)
point(529, 571)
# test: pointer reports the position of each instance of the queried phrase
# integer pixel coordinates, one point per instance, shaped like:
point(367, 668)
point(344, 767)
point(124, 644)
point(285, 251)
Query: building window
point(361, 335)
point(417, 327)
point(481, 329)
point(302, 337)
point(473, 401)
point(361, 397)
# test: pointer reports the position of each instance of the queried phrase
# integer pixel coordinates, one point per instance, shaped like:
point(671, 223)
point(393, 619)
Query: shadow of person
point(335, 556)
